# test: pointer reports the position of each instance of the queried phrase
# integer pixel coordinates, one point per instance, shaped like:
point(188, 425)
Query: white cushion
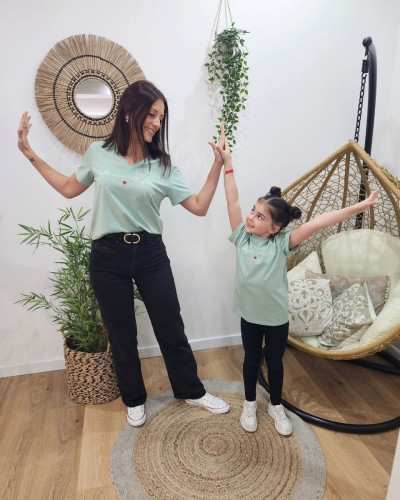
point(311, 262)
point(310, 306)
point(386, 321)
point(362, 252)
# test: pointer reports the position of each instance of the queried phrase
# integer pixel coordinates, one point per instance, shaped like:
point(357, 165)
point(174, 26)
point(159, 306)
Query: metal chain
point(364, 73)
point(361, 195)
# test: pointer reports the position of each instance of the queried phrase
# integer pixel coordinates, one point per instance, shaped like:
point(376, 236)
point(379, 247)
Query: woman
point(133, 173)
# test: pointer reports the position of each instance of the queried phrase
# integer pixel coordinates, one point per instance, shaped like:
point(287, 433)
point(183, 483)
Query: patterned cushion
point(352, 313)
point(310, 306)
point(378, 286)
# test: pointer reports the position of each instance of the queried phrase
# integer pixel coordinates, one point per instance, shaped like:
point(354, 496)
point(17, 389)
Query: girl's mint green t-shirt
point(261, 286)
point(127, 197)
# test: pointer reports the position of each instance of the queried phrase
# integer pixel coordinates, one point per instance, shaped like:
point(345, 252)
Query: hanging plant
point(228, 69)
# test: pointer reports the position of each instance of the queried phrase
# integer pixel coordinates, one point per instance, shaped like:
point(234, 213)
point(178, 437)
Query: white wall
point(305, 59)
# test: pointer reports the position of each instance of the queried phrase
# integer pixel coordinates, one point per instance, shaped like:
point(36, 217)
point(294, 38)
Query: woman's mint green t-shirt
point(261, 286)
point(127, 197)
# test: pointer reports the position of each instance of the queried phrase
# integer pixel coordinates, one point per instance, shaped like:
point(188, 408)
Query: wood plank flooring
point(51, 448)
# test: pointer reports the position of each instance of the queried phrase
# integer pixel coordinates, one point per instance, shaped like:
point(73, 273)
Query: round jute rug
point(183, 453)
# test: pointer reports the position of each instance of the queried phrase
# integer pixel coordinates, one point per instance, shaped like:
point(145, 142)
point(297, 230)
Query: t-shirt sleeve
point(84, 172)
point(285, 243)
point(237, 233)
point(178, 190)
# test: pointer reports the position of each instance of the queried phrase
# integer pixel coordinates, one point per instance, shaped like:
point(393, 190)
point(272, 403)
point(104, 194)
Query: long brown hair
point(136, 102)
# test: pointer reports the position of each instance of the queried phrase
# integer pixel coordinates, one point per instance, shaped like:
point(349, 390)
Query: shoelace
point(209, 398)
point(135, 411)
point(250, 410)
point(280, 414)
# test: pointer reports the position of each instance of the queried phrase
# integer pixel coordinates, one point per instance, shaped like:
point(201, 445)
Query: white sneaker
point(136, 415)
point(210, 403)
point(282, 424)
point(249, 416)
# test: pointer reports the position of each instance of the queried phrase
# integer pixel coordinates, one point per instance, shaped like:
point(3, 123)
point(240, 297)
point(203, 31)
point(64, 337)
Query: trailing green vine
point(228, 68)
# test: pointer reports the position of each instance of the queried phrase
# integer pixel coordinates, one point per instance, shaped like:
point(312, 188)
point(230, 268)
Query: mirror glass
point(93, 97)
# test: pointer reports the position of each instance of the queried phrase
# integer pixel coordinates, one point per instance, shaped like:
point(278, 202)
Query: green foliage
point(73, 303)
point(228, 68)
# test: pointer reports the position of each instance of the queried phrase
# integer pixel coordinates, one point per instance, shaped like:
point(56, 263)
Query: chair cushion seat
point(362, 252)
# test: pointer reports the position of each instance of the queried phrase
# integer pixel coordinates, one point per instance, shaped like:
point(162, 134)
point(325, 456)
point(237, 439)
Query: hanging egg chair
point(359, 246)
point(363, 246)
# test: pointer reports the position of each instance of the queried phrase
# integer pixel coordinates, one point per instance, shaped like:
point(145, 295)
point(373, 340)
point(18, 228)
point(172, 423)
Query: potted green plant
point(227, 69)
point(88, 361)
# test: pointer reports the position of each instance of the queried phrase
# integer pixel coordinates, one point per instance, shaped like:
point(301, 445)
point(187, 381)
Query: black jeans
point(275, 345)
point(113, 266)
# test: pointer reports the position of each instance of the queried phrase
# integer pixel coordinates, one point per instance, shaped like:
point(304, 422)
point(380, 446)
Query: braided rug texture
point(183, 452)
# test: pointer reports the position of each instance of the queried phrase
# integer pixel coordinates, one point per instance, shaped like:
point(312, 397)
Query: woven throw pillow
point(310, 306)
point(378, 286)
point(352, 312)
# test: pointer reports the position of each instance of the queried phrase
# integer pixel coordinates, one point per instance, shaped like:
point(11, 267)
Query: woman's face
point(152, 122)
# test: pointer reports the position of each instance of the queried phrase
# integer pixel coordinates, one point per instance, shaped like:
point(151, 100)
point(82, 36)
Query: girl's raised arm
point(302, 232)
point(231, 191)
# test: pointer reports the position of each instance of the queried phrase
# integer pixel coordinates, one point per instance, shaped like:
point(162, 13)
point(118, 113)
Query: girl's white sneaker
point(282, 424)
point(248, 419)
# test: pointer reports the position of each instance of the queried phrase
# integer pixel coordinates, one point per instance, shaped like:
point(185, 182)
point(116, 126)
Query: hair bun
point(295, 212)
point(275, 192)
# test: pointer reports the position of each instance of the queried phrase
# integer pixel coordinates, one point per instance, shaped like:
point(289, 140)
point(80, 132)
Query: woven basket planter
point(91, 377)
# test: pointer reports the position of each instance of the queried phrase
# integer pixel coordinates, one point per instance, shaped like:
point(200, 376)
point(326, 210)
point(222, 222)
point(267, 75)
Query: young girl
point(261, 287)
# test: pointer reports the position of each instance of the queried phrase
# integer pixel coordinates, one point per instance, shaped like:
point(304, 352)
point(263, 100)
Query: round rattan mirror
point(93, 97)
point(78, 116)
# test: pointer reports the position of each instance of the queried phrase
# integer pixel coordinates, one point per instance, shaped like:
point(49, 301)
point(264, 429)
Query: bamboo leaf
point(72, 301)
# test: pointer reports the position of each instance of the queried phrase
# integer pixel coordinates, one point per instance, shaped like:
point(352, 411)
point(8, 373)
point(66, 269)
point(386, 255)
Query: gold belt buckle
point(131, 242)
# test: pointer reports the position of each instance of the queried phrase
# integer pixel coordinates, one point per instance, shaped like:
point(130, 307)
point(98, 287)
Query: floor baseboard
point(144, 352)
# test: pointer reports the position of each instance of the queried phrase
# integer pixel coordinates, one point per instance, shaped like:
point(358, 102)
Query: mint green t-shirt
point(127, 197)
point(261, 286)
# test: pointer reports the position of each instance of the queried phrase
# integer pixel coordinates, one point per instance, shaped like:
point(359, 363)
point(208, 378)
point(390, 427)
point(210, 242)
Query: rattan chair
point(336, 183)
point(344, 178)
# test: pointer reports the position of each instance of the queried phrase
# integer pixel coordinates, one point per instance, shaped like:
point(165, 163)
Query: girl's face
point(259, 221)
point(152, 122)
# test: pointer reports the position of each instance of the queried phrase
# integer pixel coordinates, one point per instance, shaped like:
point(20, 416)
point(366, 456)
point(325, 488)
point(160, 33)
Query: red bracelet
point(228, 171)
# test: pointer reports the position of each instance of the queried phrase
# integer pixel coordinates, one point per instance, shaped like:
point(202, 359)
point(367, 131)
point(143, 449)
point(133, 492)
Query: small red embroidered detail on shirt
point(255, 257)
point(123, 182)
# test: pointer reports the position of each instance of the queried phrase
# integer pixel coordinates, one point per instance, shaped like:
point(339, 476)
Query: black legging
point(275, 345)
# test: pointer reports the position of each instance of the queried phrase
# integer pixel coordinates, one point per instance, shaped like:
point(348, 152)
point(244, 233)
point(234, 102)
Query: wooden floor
point(51, 448)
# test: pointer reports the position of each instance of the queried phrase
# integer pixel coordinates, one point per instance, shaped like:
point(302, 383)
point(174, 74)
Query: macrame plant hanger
point(227, 13)
point(368, 69)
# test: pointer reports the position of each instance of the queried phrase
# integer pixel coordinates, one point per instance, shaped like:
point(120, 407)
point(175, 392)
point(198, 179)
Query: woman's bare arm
point(67, 186)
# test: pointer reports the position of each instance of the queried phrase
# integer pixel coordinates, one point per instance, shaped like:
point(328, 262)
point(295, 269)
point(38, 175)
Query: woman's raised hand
point(23, 131)
point(223, 146)
point(221, 150)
